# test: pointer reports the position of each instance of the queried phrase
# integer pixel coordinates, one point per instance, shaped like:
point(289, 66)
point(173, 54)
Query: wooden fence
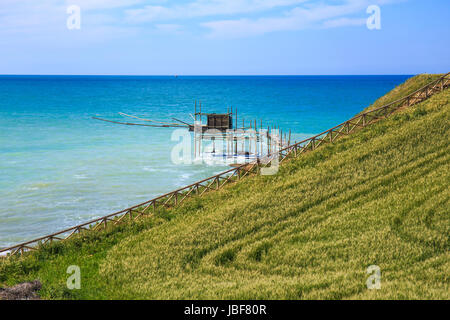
point(216, 182)
point(363, 119)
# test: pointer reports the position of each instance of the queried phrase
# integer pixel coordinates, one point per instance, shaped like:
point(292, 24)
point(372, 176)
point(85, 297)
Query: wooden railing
point(216, 182)
point(366, 118)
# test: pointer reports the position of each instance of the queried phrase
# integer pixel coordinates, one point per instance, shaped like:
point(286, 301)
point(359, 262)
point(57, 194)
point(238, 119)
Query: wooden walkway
point(216, 182)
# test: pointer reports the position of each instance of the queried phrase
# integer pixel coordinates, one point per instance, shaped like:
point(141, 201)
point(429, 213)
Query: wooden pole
point(256, 141)
point(235, 144)
point(281, 139)
point(235, 135)
point(270, 136)
point(195, 133)
point(200, 143)
point(201, 131)
point(228, 145)
point(261, 138)
point(243, 137)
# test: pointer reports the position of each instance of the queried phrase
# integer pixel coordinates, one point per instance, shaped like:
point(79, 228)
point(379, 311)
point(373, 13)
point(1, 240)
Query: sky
point(224, 37)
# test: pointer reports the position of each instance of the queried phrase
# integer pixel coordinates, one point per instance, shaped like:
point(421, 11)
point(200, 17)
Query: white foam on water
point(185, 176)
point(80, 176)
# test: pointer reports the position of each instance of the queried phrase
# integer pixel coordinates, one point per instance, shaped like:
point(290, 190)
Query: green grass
point(378, 197)
point(402, 90)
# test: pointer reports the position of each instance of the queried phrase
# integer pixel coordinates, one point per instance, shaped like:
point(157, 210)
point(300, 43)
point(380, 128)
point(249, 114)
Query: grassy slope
point(402, 90)
point(377, 197)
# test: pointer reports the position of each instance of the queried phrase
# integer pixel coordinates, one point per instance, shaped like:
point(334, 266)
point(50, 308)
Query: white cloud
point(29, 15)
point(204, 8)
point(310, 15)
point(43, 22)
point(344, 22)
point(169, 28)
point(294, 15)
point(233, 18)
point(103, 4)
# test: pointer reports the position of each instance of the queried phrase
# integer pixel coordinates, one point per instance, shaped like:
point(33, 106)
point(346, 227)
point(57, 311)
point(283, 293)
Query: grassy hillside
point(402, 90)
point(378, 197)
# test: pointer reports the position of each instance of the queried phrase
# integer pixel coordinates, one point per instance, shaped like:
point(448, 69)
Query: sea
point(60, 167)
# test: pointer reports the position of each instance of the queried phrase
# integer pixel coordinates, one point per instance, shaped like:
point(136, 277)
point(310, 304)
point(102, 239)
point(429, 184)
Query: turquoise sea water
point(58, 167)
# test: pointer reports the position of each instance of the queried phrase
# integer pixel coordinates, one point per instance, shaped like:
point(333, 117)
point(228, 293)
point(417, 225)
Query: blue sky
point(224, 37)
